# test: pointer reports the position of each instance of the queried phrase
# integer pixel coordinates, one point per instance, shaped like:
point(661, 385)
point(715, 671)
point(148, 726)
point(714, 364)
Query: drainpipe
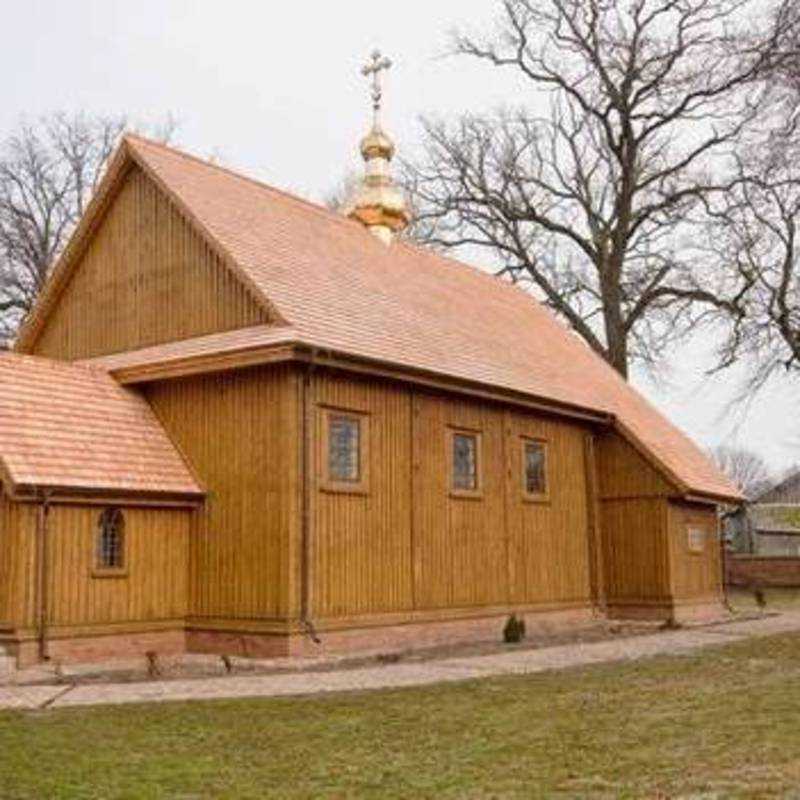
point(306, 467)
point(42, 573)
point(723, 554)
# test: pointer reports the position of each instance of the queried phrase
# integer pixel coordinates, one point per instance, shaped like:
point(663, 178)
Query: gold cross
point(378, 64)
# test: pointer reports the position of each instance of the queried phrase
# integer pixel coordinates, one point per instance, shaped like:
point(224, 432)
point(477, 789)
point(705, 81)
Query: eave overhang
point(141, 370)
point(87, 495)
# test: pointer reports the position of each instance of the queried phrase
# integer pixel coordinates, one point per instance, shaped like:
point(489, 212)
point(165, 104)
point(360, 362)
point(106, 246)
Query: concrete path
point(520, 662)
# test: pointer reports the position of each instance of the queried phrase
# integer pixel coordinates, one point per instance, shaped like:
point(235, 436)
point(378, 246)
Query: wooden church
point(239, 423)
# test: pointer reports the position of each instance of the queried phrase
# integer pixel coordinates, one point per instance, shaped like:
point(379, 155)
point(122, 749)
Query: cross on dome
point(378, 63)
point(378, 203)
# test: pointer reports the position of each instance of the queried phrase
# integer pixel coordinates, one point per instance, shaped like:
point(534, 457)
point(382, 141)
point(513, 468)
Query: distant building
point(787, 491)
point(770, 525)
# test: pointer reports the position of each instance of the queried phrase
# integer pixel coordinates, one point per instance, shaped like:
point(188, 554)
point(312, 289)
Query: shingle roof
point(214, 344)
point(338, 285)
point(73, 427)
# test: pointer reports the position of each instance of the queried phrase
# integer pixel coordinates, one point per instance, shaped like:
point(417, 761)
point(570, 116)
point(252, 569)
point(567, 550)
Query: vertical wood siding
point(240, 432)
point(550, 540)
point(634, 548)
point(633, 511)
point(694, 575)
point(624, 473)
point(146, 278)
point(155, 586)
point(461, 542)
point(408, 544)
point(361, 544)
point(17, 531)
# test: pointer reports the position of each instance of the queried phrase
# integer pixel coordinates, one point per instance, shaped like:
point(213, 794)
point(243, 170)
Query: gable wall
point(145, 278)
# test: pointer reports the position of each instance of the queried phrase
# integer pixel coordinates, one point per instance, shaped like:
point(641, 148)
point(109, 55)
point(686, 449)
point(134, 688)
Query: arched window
point(111, 540)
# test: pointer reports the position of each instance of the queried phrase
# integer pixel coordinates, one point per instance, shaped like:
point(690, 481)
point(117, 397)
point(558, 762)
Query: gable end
point(143, 275)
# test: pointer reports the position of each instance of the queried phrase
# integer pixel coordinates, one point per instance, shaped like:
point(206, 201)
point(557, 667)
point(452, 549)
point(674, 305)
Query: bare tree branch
point(48, 171)
point(596, 203)
point(746, 469)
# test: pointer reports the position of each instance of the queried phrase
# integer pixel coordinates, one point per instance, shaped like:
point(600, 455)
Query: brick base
point(95, 649)
point(694, 611)
point(362, 640)
point(701, 611)
point(384, 639)
point(751, 571)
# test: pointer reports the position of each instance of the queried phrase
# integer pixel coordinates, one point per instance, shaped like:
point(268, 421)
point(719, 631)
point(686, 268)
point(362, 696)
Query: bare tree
point(746, 469)
point(48, 171)
point(786, 68)
point(593, 203)
point(754, 233)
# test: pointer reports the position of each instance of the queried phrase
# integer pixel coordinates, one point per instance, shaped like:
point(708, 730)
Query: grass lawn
point(721, 723)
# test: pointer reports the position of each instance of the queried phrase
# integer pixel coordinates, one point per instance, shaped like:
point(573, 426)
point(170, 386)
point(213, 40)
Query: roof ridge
point(285, 194)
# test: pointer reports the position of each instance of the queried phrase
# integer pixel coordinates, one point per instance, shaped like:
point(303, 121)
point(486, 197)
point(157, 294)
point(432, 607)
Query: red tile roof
point(237, 341)
point(340, 287)
point(336, 286)
point(74, 428)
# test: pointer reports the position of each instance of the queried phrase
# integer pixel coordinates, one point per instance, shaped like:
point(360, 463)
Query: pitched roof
point(74, 428)
point(787, 491)
point(338, 287)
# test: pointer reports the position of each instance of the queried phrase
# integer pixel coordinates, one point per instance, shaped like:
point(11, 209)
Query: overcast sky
point(274, 89)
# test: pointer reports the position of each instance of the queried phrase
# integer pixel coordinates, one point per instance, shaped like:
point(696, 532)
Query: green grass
point(721, 723)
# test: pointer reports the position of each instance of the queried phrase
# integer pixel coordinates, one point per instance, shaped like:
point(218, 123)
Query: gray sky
point(275, 91)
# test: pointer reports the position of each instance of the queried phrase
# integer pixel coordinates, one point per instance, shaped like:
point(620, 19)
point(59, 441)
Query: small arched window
point(111, 540)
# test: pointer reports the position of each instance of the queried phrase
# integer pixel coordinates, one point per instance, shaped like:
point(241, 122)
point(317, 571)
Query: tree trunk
point(618, 350)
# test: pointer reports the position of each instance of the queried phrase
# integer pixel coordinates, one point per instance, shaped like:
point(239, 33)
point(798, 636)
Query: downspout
point(723, 559)
point(307, 478)
point(42, 573)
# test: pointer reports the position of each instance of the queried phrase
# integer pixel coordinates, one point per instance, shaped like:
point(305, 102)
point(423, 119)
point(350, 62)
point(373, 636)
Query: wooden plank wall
point(550, 541)
point(155, 587)
point(695, 576)
point(634, 548)
point(362, 557)
point(633, 510)
point(240, 432)
point(17, 532)
point(409, 546)
point(145, 278)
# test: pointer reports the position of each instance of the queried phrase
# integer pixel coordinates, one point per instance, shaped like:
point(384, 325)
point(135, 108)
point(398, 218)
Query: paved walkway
point(520, 662)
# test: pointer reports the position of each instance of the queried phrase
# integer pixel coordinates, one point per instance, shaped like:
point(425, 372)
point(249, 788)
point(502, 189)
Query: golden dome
point(378, 203)
point(377, 144)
